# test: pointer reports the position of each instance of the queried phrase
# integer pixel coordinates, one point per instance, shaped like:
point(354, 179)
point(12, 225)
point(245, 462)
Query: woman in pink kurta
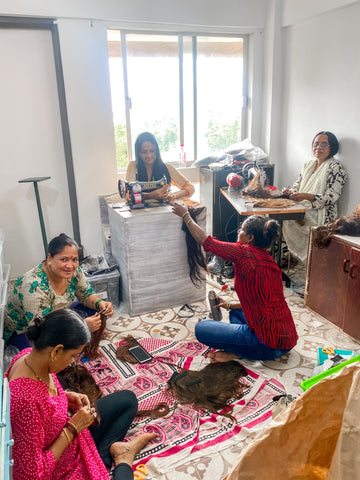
point(37, 419)
point(48, 443)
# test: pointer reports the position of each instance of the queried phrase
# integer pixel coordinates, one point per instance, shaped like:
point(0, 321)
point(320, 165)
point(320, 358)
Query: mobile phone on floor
point(141, 355)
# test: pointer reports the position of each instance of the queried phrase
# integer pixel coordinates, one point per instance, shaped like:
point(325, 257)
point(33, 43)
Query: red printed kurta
point(258, 284)
point(37, 419)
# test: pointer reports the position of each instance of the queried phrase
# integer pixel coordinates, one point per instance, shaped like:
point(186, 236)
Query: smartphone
point(141, 355)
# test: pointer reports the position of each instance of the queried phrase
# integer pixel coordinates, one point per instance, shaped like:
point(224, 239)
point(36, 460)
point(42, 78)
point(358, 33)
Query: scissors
point(328, 350)
point(141, 473)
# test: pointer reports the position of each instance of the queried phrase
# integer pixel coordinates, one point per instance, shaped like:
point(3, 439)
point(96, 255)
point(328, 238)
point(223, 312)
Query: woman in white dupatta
point(318, 188)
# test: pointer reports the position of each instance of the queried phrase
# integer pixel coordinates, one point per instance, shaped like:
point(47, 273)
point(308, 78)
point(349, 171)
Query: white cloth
point(296, 233)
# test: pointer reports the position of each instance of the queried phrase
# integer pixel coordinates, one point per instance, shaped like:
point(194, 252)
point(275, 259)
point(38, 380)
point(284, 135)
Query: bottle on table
point(182, 156)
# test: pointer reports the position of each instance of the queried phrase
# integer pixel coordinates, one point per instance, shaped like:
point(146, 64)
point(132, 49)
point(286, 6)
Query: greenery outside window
point(186, 89)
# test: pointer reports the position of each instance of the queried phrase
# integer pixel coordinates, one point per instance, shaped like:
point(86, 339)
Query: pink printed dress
point(37, 419)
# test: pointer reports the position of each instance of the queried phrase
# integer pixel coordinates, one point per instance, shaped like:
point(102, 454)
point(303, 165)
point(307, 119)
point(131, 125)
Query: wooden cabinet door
point(352, 307)
point(327, 280)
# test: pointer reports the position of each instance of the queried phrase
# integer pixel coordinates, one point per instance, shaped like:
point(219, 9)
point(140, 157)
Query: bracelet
point(72, 428)
point(228, 306)
point(66, 435)
point(189, 221)
point(186, 213)
point(97, 302)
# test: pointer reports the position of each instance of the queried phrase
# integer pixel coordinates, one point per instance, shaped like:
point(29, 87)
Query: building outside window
point(185, 89)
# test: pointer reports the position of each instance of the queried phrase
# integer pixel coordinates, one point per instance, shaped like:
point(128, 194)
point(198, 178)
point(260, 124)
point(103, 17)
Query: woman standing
point(261, 325)
point(48, 443)
point(56, 283)
point(318, 187)
point(149, 166)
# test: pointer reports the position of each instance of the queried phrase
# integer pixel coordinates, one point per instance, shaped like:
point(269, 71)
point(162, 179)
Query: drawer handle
point(345, 265)
point(352, 268)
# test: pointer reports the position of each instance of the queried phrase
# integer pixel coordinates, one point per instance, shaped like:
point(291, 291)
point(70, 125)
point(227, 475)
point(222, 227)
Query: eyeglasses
point(322, 145)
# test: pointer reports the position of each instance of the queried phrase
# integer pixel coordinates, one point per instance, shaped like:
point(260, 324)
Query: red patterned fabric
point(184, 431)
point(258, 284)
point(37, 420)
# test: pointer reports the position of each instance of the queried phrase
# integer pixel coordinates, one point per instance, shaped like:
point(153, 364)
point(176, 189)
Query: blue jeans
point(235, 337)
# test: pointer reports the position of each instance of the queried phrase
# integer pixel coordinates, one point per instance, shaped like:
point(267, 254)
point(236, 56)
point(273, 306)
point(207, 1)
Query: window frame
point(181, 35)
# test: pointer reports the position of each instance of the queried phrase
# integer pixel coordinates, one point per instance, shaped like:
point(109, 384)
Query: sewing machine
point(134, 191)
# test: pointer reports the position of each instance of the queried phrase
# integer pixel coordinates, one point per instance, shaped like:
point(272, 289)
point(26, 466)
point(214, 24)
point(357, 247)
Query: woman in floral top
point(56, 283)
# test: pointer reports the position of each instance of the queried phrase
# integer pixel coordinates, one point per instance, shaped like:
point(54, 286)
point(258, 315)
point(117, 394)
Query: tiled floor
point(291, 370)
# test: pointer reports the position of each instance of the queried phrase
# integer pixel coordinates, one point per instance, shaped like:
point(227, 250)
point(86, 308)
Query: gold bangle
point(189, 221)
point(73, 425)
point(186, 213)
point(228, 305)
point(66, 435)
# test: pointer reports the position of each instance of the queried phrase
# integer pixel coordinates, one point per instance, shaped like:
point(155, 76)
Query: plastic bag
point(249, 151)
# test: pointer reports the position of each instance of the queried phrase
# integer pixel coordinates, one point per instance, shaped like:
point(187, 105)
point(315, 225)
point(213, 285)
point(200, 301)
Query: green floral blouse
point(33, 295)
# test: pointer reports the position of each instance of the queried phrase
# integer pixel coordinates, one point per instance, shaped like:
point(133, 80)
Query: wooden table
point(150, 248)
point(295, 212)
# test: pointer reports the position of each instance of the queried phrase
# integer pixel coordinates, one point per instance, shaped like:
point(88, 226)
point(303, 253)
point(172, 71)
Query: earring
point(49, 263)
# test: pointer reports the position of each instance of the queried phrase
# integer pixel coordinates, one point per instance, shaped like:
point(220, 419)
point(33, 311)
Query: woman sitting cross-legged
point(53, 284)
point(263, 328)
point(48, 442)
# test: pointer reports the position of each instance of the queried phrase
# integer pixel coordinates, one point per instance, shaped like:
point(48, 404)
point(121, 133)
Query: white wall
point(310, 83)
point(188, 12)
point(321, 92)
point(30, 146)
point(82, 30)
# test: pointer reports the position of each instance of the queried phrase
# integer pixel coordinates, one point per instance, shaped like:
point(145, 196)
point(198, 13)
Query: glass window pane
point(153, 79)
point(219, 92)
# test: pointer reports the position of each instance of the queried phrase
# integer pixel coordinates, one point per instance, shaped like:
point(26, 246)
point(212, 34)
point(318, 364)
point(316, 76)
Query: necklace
point(59, 287)
point(52, 388)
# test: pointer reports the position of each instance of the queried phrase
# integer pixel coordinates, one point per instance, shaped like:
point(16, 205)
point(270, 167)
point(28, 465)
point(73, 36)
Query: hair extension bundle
point(91, 351)
point(122, 351)
point(274, 203)
point(255, 188)
point(211, 388)
point(195, 254)
point(343, 225)
point(77, 378)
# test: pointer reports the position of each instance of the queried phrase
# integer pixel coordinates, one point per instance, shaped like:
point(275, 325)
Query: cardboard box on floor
point(317, 436)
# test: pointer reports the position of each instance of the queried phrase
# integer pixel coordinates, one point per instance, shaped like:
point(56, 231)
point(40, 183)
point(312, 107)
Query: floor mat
point(186, 433)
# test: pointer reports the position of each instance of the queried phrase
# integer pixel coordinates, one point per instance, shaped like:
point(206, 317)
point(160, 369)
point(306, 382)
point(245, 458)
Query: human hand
point(106, 308)
point(299, 197)
point(227, 304)
point(160, 193)
point(83, 418)
point(77, 400)
point(93, 322)
point(170, 197)
point(179, 208)
point(222, 303)
point(286, 191)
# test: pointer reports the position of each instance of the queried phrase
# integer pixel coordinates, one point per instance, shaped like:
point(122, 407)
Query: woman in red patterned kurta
point(48, 444)
point(261, 325)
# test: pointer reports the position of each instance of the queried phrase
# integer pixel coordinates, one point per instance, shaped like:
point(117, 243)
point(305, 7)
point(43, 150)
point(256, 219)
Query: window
point(185, 89)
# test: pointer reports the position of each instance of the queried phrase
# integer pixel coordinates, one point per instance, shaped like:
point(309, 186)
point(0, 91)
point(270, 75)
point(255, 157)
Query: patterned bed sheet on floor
point(186, 432)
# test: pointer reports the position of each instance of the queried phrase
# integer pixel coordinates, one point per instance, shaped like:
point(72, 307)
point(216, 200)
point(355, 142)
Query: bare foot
point(220, 356)
point(125, 452)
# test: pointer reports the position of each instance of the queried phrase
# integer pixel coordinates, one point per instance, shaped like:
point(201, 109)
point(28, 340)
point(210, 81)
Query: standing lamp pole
point(35, 181)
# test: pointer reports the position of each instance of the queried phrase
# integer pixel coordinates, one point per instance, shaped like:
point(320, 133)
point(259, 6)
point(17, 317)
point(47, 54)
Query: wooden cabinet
point(333, 283)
